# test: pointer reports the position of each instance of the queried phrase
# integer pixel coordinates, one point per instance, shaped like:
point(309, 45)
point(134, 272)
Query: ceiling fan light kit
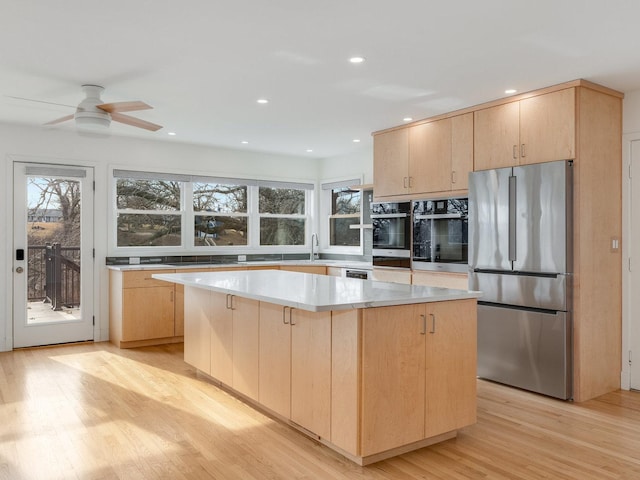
point(93, 114)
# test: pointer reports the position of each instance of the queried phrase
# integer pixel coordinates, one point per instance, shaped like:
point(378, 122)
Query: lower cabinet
point(418, 362)
point(234, 342)
point(295, 365)
point(370, 382)
point(141, 309)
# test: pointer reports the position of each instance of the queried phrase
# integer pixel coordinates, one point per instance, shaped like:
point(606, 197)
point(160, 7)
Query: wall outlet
point(242, 258)
point(134, 260)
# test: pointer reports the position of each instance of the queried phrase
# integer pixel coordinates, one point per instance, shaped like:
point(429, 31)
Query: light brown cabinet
point(141, 309)
point(197, 328)
point(234, 342)
point(316, 269)
point(421, 366)
point(537, 129)
point(295, 365)
point(391, 163)
point(425, 158)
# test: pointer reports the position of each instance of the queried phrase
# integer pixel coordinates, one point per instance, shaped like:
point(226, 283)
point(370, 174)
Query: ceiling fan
point(92, 113)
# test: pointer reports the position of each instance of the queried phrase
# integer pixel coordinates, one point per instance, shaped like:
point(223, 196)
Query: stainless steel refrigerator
point(520, 257)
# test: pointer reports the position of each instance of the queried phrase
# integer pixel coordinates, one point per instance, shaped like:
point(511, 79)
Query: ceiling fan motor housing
point(88, 115)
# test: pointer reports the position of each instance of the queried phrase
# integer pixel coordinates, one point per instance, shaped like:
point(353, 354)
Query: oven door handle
point(443, 216)
point(389, 215)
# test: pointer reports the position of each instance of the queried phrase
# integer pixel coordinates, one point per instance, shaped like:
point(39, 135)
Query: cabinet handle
point(172, 293)
point(404, 182)
point(229, 301)
point(424, 325)
point(290, 317)
point(284, 315)
point(453, 176)
point(433, 323)
point(515, 152)
point(522, 151)
point(410, 185)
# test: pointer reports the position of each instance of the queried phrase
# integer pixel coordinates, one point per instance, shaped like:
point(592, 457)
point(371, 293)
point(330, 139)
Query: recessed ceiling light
point(172, 134)
point(510, 91)
point(263, 100)
point(356, 59)
point(244, 142)
point(309, 150)
point(407, 119)
point(356, 140)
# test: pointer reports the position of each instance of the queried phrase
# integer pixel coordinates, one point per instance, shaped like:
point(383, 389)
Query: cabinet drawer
point(142, 278)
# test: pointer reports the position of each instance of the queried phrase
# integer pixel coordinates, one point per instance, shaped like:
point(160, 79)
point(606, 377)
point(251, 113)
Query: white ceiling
point(203, 63)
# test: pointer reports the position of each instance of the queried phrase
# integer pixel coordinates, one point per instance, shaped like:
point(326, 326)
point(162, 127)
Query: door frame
point(630, 327)
point(98, 308)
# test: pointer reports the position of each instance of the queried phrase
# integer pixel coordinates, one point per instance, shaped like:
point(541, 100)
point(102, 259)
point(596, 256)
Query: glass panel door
point(53, 259)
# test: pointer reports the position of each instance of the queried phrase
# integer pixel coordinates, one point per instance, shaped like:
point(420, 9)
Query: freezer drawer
point(550, 292)
point(525, 348)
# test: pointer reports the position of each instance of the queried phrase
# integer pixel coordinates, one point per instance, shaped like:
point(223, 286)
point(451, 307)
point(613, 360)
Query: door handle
point(19, 270)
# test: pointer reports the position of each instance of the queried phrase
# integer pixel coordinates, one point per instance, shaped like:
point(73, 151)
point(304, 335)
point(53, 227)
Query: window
point(343, 212)
point(282, 210)
point(149, 210)
point(220, 214)
point(196, 212)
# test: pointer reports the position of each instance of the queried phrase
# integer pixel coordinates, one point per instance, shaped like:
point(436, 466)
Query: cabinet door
point(461, 150)
point(275, 359)
point(221, 339)
point(393, 378)
point(391, 163)
point(147, 313)
point(245, 349)
point(496, 136)
point(430, 157)
point(197, 329)
point(548, 127)
point(450, 366)
point(311, 371)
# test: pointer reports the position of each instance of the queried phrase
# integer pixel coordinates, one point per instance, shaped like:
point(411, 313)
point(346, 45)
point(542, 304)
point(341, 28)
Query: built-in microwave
point(391, 223)
point(440, 234)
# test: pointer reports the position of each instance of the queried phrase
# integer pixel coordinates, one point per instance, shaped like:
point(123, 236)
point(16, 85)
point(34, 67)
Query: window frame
point(326, 214)
point(188, 215)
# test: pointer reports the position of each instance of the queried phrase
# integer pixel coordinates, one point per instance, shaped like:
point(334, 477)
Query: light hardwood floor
point(92, 411)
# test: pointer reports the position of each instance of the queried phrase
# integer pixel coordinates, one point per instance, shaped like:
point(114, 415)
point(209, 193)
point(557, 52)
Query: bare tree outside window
point(220, 214)
point(345, 211)
point(148, 212)
point(282, 220)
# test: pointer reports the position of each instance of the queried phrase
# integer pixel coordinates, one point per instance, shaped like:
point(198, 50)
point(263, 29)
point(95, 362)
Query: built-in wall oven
point(440, 234)
point(391, 223)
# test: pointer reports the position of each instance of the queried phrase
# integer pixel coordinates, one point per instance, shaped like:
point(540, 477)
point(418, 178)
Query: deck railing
point(54, 275)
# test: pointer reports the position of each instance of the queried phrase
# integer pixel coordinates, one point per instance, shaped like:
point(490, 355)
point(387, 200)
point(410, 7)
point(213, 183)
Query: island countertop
point(315, 293)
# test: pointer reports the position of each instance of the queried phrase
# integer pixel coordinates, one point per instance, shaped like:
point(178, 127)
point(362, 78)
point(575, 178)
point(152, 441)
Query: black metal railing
point(54, 275)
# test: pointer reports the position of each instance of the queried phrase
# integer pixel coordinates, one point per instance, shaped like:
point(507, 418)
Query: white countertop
point(275, 263)
point(315, 293)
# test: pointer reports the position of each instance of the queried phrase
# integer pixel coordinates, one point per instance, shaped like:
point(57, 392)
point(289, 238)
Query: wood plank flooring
point(92, 411)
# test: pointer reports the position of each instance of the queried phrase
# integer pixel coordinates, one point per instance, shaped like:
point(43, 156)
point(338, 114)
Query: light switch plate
point(134, 260)
point(242, 258)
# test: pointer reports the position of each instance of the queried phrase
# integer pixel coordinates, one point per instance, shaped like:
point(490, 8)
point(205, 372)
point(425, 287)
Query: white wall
point(357, 164)
point(21, 143)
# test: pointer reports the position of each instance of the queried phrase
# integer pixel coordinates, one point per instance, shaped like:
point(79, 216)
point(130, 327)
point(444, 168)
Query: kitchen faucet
point(314, 243)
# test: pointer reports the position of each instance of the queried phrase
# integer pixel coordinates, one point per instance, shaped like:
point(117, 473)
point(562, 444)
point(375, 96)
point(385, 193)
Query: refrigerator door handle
point(512, 219)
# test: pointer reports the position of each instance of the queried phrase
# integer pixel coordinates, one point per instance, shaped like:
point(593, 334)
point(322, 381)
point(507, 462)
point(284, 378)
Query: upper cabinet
point(533, 130)
point(429, 157)
point(391, 163)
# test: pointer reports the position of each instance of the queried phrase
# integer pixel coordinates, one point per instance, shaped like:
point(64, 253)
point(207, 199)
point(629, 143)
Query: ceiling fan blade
point(124, 106)
point(135, 122)
point(60, 120)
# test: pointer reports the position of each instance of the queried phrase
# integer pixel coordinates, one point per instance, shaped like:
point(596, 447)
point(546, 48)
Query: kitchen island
point(370, 369)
